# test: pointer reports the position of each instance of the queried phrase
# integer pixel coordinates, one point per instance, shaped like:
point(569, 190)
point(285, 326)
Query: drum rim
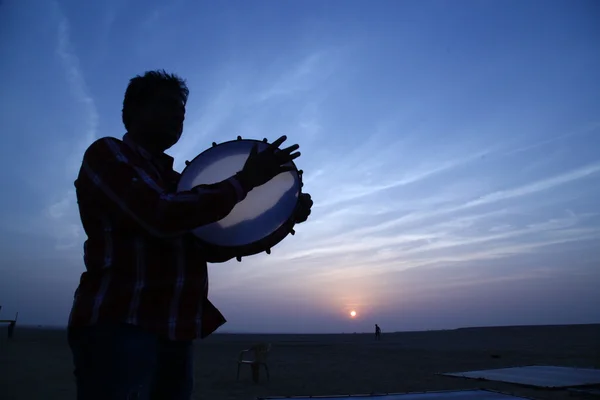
point(267, 243)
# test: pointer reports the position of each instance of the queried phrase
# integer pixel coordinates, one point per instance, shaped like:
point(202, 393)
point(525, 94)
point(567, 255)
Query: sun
point(352, 313)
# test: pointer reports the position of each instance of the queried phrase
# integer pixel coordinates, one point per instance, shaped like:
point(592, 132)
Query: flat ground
point(36, 364)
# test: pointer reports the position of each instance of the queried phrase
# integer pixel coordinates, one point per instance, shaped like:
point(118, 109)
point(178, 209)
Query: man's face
point(161, 119)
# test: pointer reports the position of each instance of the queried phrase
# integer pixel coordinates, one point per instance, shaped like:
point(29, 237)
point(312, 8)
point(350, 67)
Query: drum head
point(258, 222)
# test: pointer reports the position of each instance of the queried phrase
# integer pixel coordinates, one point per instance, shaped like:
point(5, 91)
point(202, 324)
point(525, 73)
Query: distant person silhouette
point(377, 332)
point(11, 329)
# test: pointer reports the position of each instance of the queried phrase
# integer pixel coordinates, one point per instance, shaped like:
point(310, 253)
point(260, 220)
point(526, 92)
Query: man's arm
point(301, 214)
point(212, 255)
point(137, 194)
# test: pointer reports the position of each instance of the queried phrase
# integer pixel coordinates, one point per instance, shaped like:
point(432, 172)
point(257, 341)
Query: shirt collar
point(163, 159)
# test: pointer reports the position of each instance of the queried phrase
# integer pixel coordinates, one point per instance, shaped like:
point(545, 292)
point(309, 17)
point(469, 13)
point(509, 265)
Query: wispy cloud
point(359, 235)
point(153, 15)
point(491, 198)
point(587, 129)
point(362, 266)
point(300, 78)
point(385, 162)
point(537, 187)
point(113, 11)
point(240, 108)
point(80, 91)
point(62, 213)
point(355, 191)
point(461, 231)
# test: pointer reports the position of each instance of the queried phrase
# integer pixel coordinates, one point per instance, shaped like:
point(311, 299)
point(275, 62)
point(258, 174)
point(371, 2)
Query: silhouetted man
point(377, 332)
point(143, 297)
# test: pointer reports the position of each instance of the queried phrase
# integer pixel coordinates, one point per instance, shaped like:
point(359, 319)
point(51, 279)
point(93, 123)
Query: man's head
point(154, 109)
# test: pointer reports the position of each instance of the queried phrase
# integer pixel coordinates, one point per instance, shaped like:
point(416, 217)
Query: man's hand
point(303, 209)
point(261, 167)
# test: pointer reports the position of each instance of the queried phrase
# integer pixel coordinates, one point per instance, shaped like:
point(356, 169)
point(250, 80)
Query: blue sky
point(451, 148)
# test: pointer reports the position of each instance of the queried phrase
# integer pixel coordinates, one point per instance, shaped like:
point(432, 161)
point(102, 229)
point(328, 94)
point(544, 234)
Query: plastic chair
point(255, 357)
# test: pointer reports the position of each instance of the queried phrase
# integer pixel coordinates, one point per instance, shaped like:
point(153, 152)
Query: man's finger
point(279, 141)
point(307, 203)
point(290, 149)
point(302, 217)
point(284, 158)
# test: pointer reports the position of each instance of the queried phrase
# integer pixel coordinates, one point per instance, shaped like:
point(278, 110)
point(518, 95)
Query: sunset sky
point(452, 149)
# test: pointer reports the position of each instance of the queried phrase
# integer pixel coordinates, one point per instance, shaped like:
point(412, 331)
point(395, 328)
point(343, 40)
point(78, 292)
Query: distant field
point(36, 364)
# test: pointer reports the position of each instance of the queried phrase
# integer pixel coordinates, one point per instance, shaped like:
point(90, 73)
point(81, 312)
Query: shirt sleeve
point(135, 193)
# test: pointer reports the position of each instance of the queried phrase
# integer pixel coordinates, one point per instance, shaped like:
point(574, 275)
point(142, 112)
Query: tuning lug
point(239, 138)
point(268, 251)
point(293, 232)
point(239, 258)
point(187, 163)
point(214, 144)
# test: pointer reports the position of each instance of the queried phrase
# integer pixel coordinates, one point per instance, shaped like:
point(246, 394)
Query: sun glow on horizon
point(352, 314)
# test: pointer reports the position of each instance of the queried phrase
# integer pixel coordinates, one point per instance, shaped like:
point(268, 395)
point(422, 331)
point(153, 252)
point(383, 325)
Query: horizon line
point(54, 327)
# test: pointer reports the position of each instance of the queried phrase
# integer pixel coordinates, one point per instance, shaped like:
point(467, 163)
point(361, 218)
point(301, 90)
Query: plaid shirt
point(142, 267)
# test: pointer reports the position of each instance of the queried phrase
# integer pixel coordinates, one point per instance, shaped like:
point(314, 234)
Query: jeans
point(123, 362)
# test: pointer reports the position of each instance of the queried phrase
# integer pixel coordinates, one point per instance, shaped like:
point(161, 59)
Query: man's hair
point(141, 88)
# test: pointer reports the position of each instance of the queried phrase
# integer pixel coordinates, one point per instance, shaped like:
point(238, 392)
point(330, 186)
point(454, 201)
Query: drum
point(260, 221)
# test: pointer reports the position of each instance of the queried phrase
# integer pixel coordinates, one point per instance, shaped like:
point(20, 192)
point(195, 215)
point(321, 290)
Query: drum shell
point(266, 228)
